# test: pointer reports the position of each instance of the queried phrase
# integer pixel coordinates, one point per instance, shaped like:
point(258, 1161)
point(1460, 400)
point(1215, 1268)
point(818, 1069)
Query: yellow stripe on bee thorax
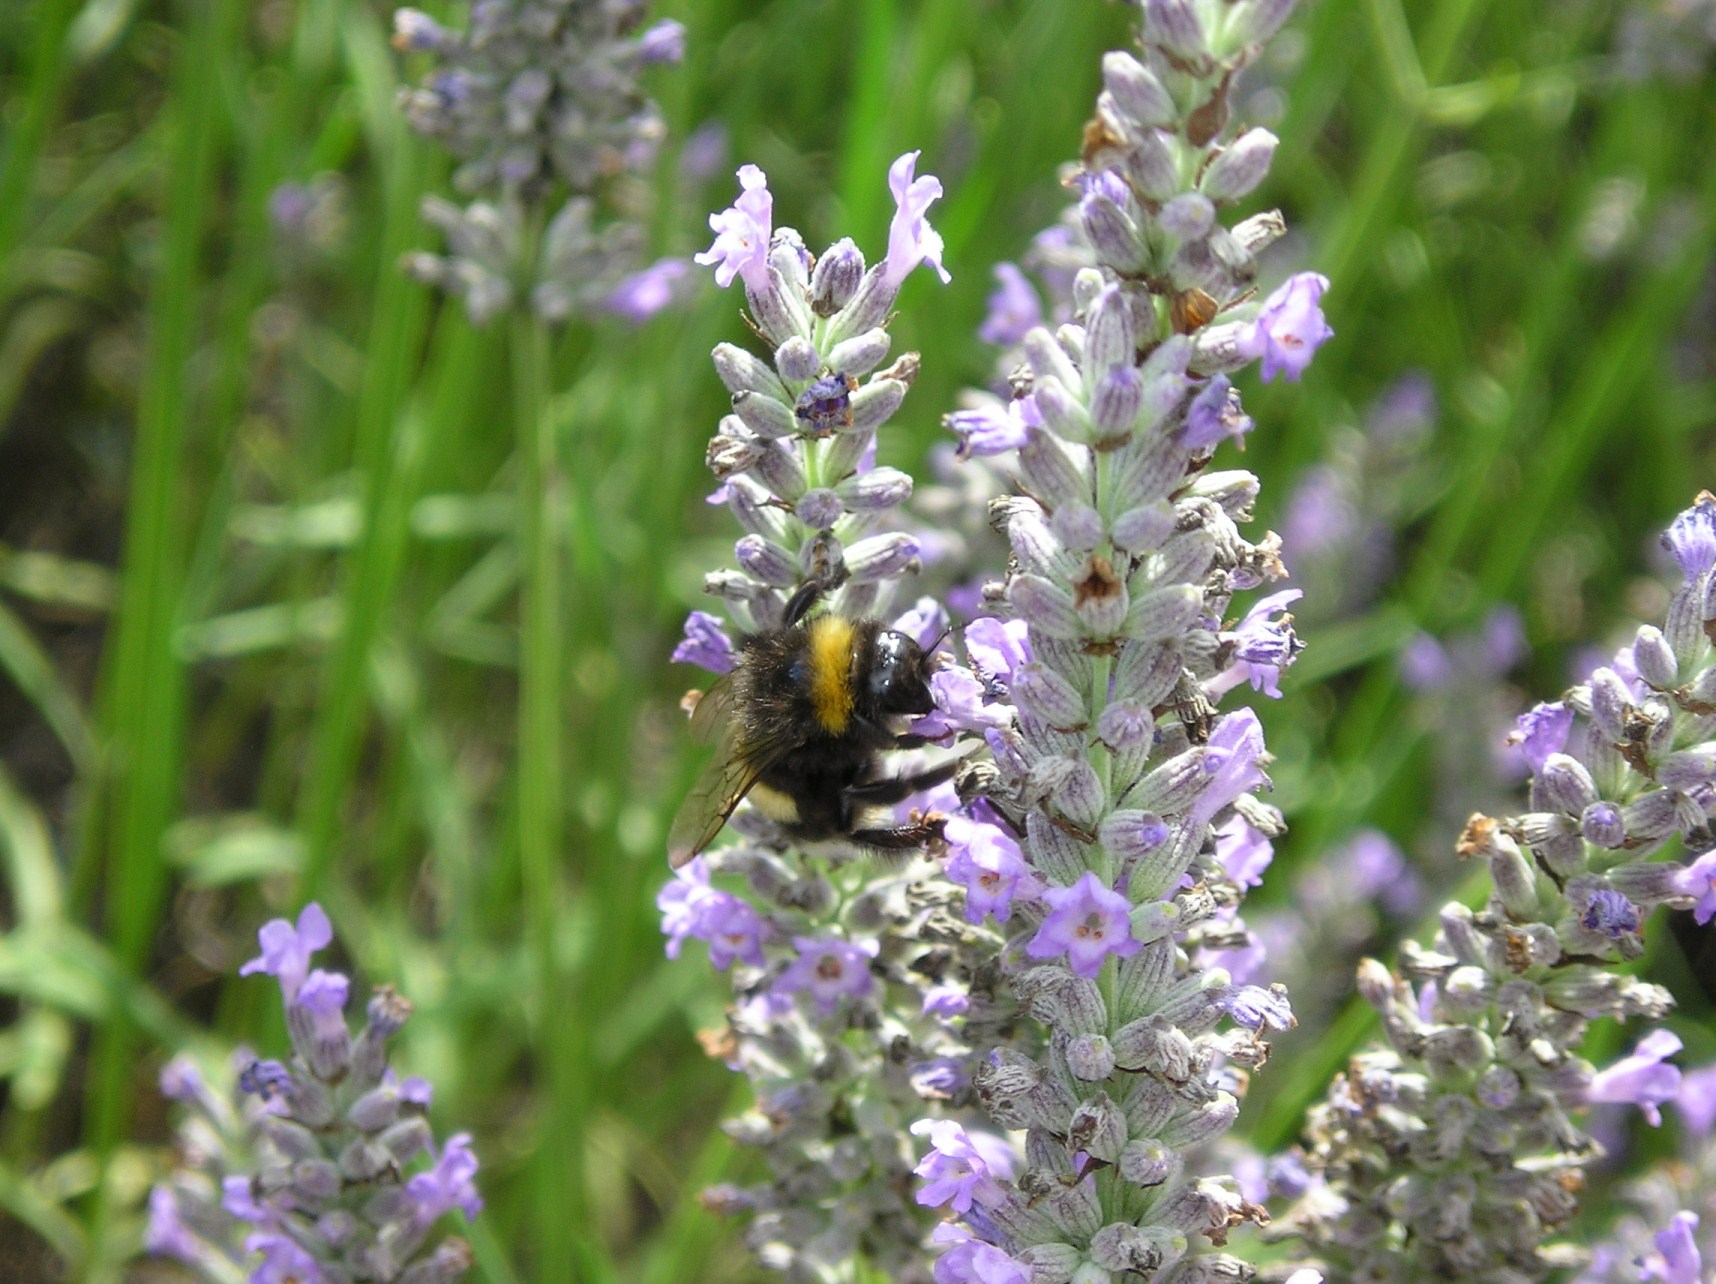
point(831, 672)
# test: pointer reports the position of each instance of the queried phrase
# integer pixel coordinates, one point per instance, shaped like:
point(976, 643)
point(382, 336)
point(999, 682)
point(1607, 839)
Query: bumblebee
point(801, 726)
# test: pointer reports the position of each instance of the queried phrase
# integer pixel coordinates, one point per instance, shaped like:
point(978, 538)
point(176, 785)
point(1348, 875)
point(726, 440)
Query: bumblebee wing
point(722, 786)
point(713, 715)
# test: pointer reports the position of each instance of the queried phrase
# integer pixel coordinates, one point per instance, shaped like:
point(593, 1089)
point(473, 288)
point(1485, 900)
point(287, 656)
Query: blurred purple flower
point(1696, 1100)
point(283, 1262)
point(829, 970)
point(1677, 1259)
point(705, 152)
point(1013, 308)
point(1424, 664)
point(1699, 879)
point(642, 294)
point(166, 1233)
point(663, 42)
point(1643, 1079)
point(992, 428)
point(450, 1184)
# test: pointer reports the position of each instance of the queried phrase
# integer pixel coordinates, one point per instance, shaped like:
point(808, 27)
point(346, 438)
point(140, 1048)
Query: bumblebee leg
point(894, 789)
point(901, 838)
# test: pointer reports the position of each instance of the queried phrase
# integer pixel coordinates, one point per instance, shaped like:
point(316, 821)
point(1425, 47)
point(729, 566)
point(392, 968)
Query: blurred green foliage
point(259, 566)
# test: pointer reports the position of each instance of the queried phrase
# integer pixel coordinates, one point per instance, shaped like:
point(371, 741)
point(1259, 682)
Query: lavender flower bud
point(1136, 91)
point(836, 279)
point(1112, 233)
point(797, 360)
point(875, 403)
point(860, 354)
point(1174, 24)
point(1241, 167)
point(764, 415)
point(1654, 658)
point(1566, 785)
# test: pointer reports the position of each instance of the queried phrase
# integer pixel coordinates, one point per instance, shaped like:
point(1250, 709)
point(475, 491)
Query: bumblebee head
point(899, 675)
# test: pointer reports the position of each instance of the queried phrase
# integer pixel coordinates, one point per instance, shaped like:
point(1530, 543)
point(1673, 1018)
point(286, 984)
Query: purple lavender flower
point(911, 240)
point(1262, 647)
point(946, 1002)
point(641, 295)
point(971, 1261)
point(1244, 851)
point(742, 233)
point(1214, 415)
point(991, 427)
point(283, 1261)
point(1642, 1079)
point(998, 647)
point(1231, 763)
point(1543, 730)
point(1290, 327)
point(1699, 880)
point(1678, 1260)
point(705, 644)
point(450, 1184)
point(166, 1234)
point(299, 1178)
point(1013, 308)
point(989, 865)
point(1697, 1100)
point(954, 1171)
point(663, 42)
point(829, 970)
point(286, 950)
point(1691, 537)
point(962, 703)
point(1087, 922)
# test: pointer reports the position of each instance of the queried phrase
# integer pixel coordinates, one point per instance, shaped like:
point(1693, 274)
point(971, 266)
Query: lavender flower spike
point(850, 1009)
point(1457, 1149)
point(299, 1177)
point(1129, 794)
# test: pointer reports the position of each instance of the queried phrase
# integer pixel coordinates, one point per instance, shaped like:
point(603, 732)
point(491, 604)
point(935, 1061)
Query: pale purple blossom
point(1696, 1100)
point(1231, 763)
point(997, 647)
point(663, 42)
point(1013, 308)
point(680, 902)
point(1262, 646)
point(1691, 537)
point(829, 970)
point(166, 1234)
point(1214, 415)
point(742, 233)
point(1677, 1259)
point(946, 1001)
point(991, 868)
point(1543, 730)
point(1699, 879)
point(1643, 1079)
point(641, 295)
point(993, 428)
point(926, 623)
point(911, 240)
point(450, 1184)
point(1244, 851)
point(971, 1261)
point(238, 1197)
point(705, 644)
point(733, 929)
point(1087, 922)
point(962, 703)
point(1290, 327)
point(283, 1262)
point(954, 1172)
point(286, 950)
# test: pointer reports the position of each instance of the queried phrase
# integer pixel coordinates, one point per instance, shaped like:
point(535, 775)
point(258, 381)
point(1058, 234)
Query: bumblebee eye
point(898, 678)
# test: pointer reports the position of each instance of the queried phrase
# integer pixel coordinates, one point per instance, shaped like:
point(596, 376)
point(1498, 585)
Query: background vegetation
point(258, 575)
